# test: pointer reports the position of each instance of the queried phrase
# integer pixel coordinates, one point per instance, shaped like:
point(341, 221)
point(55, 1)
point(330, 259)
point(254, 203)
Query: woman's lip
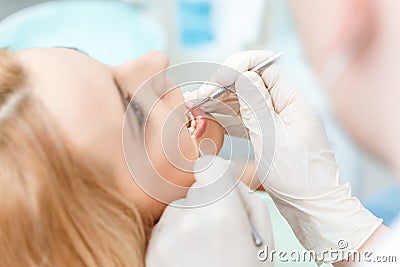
point(201, 122)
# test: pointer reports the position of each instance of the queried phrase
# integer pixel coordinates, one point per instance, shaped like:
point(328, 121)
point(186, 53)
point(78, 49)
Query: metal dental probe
point(257, 240)
point(222, 90)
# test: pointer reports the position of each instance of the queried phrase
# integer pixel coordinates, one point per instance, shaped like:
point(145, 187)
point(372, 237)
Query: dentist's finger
point(230, 69)
point(287, 100)
point(254, 98)
point(233, 66)
point(233, 125)
point(258, 115)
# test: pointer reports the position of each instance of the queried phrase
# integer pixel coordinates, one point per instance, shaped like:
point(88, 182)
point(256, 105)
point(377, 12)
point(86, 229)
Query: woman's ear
point(332, 26)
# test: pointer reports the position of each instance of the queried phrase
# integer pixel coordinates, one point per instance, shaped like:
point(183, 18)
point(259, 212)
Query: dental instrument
point(259, 69)
point(257, 239)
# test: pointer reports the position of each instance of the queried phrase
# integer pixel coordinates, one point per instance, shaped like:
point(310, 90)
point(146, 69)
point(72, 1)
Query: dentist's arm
point(294, 160)
point(303, 179)
point(373, 247)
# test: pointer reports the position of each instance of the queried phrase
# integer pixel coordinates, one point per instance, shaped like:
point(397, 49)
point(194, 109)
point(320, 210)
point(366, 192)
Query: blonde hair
point(56, 209)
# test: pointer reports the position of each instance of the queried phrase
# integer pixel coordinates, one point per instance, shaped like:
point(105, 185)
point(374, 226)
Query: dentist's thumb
point(258, 115)
point(253, 96)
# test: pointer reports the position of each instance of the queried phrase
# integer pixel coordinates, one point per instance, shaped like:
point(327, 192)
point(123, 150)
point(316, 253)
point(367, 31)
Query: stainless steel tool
point(222, 90)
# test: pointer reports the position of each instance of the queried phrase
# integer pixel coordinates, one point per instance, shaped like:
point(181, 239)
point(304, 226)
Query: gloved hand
point(226, 108)
point(303, 179)
point(215, 234)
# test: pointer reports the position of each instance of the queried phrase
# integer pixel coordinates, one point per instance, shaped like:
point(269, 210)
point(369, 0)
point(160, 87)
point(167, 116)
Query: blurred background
point(194, 30)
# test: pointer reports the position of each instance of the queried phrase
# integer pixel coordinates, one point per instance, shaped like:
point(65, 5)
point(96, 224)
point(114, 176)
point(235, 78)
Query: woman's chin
point(207, 134)
point(211, 137)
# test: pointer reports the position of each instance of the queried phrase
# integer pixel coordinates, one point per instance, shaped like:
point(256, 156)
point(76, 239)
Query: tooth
point(191, 123)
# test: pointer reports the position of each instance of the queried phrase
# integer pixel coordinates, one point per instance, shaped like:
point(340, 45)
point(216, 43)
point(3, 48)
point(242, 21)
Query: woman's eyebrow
point(123, 97)
point(74, 48)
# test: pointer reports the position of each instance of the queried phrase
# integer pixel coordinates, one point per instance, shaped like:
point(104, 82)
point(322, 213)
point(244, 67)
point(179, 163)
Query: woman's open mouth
point(197, 122)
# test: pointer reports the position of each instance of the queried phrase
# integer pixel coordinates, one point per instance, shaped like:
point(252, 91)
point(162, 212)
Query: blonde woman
point(66, 195)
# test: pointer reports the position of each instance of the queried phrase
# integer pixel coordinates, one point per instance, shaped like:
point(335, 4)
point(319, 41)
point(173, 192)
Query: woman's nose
point(156, 61)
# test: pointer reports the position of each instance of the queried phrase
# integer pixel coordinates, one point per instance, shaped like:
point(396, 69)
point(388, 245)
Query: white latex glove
point(217, 234)
point(304, 178)
point(226, 108)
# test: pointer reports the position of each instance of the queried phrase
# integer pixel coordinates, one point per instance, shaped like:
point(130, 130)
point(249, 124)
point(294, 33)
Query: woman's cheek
point(170, 148)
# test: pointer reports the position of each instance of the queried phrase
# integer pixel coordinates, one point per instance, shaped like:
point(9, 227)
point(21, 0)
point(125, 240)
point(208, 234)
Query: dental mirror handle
point(221, 90)
point(266, 63)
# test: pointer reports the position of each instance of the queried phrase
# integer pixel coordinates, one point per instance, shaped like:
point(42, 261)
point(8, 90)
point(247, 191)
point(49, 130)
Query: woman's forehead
point(76, 90)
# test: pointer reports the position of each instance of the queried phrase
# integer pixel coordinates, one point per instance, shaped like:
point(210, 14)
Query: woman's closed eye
point(137, 111)
point(129, 104)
